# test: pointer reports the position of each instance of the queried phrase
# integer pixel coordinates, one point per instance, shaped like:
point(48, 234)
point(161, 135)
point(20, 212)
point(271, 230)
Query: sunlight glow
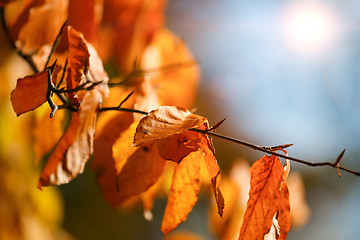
point(309, 27)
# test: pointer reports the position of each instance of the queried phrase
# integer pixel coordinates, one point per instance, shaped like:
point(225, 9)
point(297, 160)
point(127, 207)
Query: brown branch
point(57, 39)
point(141, 72)
point(269, 150)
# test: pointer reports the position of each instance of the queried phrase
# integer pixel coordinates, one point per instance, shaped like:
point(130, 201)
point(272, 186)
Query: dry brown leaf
point(183, 193)
point(30, 92)
point(178, 146)
point(283, 215)
point(78, 61)
point(214, 171)
point(75, 147)
point(266, 176)
point(165, 121)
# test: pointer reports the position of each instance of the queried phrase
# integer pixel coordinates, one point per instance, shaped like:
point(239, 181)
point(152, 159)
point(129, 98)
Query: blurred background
point(279, 71)
point(285, 72)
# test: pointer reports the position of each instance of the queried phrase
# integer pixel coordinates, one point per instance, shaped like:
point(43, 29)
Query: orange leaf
point(141, 171)
point(214, 171)
point(75, 147)
point(42, 26)
point(178, 77)
point(284, 212)
point(183, 193)
point(103, 164)
point(263, 203)
point(47, 131)
point(164, 122)
point(78, 61)
point(178, 146)
point(134, 23)
point(30, 92)
point(91, 10)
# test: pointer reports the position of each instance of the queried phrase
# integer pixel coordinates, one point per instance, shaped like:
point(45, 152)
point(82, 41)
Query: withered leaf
point(76, 145)
point(178, 146)
point(78, 61)
point(263, 203)
point(283, 215)
point(165, 121)
point(213, 169)
point(30, 92)
point(183, 192)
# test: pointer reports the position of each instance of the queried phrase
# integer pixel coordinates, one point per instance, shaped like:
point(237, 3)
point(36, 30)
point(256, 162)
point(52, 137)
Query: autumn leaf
point(47, 131)
point(178, 74)
point(214, 171)
point(92, 11)
point(266, 177)
point(76, 145)
point(169, 127)
point(43, 25)
point(30, 92)
point(78, 61)
point(183, 193)
point(165, 121)
point(133, 25)
point(178, 146)
point(283, 215)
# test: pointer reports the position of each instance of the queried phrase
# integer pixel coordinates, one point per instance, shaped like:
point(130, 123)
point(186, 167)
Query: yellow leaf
point(183, 193)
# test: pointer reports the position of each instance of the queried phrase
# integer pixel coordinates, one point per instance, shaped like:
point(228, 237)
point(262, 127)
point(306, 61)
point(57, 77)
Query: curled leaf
point(78, 61)
point(76, 145)
point(178, 146)
point(165, 121)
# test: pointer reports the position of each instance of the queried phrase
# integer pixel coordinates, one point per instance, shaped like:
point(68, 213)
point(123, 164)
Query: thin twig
point(56, 42)
point(269, 150)
point(141, 72)
point(266, 150)
point(52, 105)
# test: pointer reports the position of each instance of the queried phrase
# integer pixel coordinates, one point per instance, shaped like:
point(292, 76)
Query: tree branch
point(269, 150)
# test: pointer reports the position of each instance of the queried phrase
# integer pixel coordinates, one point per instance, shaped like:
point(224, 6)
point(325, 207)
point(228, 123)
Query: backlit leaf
point(165, 121)
point(178, 146)
point(183, 193)
point(266, 176)
point(42, 26)
point(78, 61)
point(214, 171)
point(178, 76)
point(30, 92)
point(75, 147)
